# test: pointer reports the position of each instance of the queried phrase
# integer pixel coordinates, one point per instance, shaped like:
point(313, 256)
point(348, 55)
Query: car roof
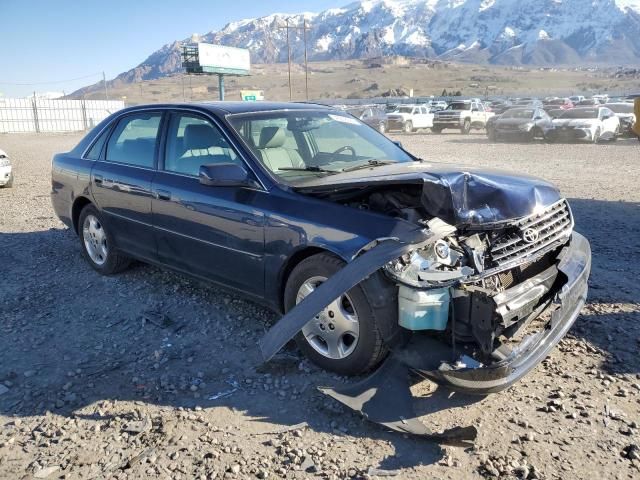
point(225, 108)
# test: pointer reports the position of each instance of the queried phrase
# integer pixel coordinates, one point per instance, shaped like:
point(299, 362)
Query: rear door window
point(134, 139)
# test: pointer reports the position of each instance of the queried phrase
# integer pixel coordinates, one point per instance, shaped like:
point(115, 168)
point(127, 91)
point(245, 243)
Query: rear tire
point(408, 127)
point(319, 333)
point(97, 243)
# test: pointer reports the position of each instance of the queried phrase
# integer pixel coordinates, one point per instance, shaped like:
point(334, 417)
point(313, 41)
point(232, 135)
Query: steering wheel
point(344, 149)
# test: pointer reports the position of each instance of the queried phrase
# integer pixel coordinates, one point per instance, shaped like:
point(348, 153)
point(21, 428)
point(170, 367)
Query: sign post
point(208, 59)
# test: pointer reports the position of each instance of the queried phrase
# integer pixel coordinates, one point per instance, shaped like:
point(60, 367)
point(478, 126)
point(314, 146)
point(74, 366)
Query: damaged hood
point(458, 195)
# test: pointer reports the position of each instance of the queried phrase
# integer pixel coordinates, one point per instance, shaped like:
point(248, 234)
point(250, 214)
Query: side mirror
point(224, 175)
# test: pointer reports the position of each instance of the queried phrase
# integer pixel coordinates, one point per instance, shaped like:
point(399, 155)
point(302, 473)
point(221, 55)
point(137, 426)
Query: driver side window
point(193, 141)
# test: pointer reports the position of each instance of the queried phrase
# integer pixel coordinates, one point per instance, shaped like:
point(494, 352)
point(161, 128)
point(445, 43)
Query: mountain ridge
point(501, 32)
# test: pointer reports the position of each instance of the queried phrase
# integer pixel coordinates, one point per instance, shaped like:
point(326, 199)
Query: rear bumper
point(575, 263)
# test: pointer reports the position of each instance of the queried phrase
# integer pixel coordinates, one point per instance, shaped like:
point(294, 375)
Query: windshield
point(459, 106)
point(620, 107)
point(581, 113)
point(297, 144)
point(518, 113)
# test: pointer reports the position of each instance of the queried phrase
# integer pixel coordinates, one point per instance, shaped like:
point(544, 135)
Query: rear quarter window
point(95, 151)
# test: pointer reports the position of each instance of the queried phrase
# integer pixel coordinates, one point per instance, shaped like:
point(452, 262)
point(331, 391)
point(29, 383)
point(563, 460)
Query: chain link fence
point(40, 115)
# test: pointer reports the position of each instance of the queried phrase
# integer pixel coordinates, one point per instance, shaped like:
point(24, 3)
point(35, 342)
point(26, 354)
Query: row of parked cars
point(553, 119)
point(463, 115)
point(562, 120)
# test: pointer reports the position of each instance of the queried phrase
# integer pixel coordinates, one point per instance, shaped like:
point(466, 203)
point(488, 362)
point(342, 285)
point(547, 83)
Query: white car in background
point(624, 111)
point(6, 172)
point(592, 124)
point(409, 118)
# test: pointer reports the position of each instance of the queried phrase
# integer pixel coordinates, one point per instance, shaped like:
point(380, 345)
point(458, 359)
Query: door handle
point(162, 195)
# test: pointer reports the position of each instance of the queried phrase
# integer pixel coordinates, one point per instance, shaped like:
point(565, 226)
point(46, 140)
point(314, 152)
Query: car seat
point(274, 155)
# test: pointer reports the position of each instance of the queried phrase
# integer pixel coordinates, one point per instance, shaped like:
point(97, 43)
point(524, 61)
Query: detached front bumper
point(574, 262)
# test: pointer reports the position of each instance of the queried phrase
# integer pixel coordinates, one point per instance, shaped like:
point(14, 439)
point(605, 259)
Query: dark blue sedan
point(272, 200)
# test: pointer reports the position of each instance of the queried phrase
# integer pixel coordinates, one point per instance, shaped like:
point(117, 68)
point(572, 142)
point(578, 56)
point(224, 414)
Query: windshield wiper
point(370, 163)
point(308, 168)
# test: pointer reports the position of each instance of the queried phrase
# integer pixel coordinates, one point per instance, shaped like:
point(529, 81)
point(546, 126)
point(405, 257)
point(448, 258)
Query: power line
point(53, 82)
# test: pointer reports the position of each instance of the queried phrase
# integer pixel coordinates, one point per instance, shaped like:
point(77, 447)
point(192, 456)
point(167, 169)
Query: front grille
point(552, 225)
point(448, 116)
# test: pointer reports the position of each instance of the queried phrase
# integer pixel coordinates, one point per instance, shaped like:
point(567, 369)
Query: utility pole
point(306, 63)
point(104, 80)
point(304, 29)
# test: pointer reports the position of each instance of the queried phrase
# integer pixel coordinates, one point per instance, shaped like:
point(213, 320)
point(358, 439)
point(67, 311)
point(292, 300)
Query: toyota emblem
point(530, 235)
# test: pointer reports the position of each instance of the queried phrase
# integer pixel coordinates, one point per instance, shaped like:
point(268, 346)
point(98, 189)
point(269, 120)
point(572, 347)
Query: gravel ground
point(146, 374)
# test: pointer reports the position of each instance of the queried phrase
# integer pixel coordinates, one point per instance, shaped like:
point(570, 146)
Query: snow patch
point(628, 4)
point(543, 35)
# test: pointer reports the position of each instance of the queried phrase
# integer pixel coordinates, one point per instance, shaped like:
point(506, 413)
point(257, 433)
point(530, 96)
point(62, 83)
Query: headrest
point(202, 137)
point(272, 137)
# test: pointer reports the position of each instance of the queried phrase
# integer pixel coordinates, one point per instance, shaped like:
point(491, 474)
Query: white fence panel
point(16, 115)
point(44, 115)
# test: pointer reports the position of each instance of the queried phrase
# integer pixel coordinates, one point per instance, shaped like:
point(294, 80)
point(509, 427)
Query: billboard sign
point(226, 60)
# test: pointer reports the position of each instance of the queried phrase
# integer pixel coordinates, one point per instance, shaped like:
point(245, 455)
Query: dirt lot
point(93, 385)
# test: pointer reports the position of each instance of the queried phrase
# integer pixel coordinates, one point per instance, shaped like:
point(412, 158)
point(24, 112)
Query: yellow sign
point(636, 127)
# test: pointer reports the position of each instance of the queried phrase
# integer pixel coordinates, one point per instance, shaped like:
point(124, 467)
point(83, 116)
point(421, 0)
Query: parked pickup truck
point(409, 118)
point(461, 115)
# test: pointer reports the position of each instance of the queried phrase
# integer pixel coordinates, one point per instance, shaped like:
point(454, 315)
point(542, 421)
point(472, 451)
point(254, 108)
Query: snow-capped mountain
point(509, 32)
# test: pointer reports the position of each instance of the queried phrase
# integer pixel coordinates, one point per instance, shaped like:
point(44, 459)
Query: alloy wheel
point(334, 332)
point(95, 240)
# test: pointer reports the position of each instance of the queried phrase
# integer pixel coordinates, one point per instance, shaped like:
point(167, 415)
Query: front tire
point(97, 243)
point(466, 127)
point(408, 127)
point(596, 136)
point(344, 338)
point(537, 133)
point(382, 128)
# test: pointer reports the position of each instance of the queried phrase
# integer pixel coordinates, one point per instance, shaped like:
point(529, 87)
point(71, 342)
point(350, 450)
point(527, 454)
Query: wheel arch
point(292, 262)
point(78, 205)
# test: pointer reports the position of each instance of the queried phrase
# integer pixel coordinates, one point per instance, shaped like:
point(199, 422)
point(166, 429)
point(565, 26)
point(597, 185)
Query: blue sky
point(47, 41)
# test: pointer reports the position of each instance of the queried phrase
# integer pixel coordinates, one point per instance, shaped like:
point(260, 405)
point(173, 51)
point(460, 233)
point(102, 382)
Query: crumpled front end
point(540, 312)
point(488, 283)
point(482, 293)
